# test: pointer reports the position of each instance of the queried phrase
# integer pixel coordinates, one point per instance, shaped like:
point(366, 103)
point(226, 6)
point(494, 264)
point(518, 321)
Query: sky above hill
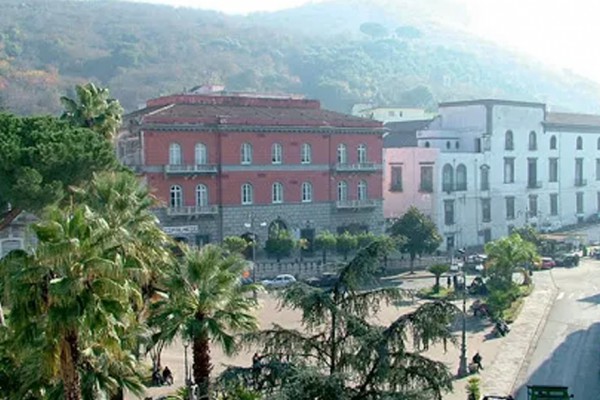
point(560, 33)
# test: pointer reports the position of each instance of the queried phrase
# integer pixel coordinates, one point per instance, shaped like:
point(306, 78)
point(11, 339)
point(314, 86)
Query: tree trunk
point(201, 367)
point(2, 321)
point(119, 395)
point(9, 217)
point(69, 360)
point(412, 262)
point(437, 283)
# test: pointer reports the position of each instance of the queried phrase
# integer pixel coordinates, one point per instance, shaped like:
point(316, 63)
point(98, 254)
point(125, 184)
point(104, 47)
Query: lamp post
point(462, 366)
point(250, 225)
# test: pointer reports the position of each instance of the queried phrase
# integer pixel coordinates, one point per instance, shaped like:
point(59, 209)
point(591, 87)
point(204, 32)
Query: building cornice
point(262, 129)
point(554, 127)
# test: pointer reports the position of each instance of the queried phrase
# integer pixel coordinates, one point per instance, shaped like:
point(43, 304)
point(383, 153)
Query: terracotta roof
point(572, 119)
point(227, 110)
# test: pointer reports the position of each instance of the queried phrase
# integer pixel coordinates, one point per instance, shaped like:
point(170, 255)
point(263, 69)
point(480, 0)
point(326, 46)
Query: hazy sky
point(562, 33)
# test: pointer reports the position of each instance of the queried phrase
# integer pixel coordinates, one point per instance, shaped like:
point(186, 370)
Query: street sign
point(548, 393)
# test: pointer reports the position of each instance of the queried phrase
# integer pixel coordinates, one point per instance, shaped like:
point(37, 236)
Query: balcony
point(358, 167)
point(353, 204)
point(190, 211)
point(190, 169)
point(534, 185)
point(580, 182)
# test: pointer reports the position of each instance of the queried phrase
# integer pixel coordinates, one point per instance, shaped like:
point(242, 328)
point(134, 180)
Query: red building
point(227, 165)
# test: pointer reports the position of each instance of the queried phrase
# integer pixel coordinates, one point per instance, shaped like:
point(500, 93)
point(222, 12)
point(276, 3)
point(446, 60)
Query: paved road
point(568, 351)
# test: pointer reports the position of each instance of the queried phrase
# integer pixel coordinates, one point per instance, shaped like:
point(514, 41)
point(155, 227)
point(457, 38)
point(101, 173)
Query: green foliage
point(437, 270)
point(365, 238)
point(440, 293)
point(419, 232)
point(235, 244)
point(345, 243)
point(341, 352)
point(279, 244)
point(505, 256)
point(41, 157)
point(529, 234)
point(325, 241)
point(473, 389)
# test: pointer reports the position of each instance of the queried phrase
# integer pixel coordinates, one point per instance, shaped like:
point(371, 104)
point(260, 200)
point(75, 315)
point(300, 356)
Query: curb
point(520, 377)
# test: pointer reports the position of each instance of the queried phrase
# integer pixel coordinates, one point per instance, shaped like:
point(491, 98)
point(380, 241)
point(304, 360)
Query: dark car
point(567, 260)
point(326, 279)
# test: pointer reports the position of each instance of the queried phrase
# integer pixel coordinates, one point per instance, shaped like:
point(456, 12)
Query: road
point(568, 351)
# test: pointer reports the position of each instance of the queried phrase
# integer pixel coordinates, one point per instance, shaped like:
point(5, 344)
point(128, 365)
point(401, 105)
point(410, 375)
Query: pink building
point(409, 180)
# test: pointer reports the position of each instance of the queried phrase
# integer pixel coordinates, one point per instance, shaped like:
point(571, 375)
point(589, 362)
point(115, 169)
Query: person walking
point(477, 361)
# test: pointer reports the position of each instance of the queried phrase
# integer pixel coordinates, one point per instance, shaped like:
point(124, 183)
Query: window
point(246, 153)
point(362, 191)
point(461, 177)
point(457, 145)
point(426, 179)
point(247, 194)
point(533, 206)
point(553, 142)
point(174, 154)
point(598, 169)
point(553, 204)
point(200, 154)
point(449, 212)
point(277, 193)
point(598, 144)
point(579, 143)
point(486, 210)
point(448, 178)
point(342, 191)
point(510, 207)
point(176, 199)
point(427, 145)
point(487, 235)
point(307, 192)
point(532, 181)
point(201, 195)
point(306, 154)
point(579, 201)
point(532, 141)
point(598, 202)
point(362, 153)
point(579, 172)
point(509, 140)
point(276, 153)
point(553, 169)
point(509, 170)
point(485, 177)
point(448, 145)
point(396, 178)
point(342, 155)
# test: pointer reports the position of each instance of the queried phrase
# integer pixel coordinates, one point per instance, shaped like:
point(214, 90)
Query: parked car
point(280, 281)
point(567, 260)
point(326, 279)
point(547, 263)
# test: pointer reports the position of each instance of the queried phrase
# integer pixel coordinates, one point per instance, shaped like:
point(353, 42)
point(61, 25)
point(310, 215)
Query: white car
point(280, 281)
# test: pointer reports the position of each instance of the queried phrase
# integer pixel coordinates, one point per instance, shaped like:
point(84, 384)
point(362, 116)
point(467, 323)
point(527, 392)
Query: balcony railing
point(358, 167)
point(190, 169)
point(534, 184)
point(345, 204)
point(192, 210)
point(580, 182)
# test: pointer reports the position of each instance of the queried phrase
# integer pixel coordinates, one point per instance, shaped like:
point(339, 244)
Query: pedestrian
point(477, 361)
point(449, 281)
point(167, 376)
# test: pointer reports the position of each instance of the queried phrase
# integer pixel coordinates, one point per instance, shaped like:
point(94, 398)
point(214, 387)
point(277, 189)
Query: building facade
point(225, 165)
point(504, 164)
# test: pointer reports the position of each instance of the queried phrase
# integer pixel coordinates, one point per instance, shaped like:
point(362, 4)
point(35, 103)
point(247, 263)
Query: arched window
point(174, 154)
point(448, 145)
point(532, 141)
point(276, 153)
point(362, 191)
point(201, 195)
point(305, 154)
point(342, 155)
point(509, 143)
point(247, 194)
point(200, 154)
point(598, 144)
point(485, 177)
point(342, 191)
point(457, 145)
point(277, 193)
point(579, 143)
point(307, 192)
point(362, 153)
point(461, 177)
point(448, 178)
point(176, 199)
point(427, 144)
point(553, 142)
point(246, 153)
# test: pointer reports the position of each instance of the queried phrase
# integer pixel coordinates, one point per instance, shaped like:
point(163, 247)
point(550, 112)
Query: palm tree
point(207, 303)
point(93, 109)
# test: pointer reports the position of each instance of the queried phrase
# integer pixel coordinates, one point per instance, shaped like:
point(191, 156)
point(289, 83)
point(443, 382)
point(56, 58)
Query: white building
point(390, 114)
point(503, 164)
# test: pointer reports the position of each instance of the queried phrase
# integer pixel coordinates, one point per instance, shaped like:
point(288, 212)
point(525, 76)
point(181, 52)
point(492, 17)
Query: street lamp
point(250, 225)
point(462, 366)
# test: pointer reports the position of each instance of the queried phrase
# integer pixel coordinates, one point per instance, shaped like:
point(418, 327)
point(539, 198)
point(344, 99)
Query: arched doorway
point(277, 226)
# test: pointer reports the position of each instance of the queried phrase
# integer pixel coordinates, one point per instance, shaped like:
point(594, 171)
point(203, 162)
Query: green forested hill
point(341, 52)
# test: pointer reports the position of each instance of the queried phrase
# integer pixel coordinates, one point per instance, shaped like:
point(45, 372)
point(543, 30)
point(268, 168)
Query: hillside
point(407, 54)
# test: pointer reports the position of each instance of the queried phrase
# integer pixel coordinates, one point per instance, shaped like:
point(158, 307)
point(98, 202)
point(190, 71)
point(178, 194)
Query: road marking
point(560, 295)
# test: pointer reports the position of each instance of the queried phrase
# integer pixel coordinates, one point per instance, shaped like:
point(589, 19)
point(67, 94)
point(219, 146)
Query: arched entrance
point(276, 226)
